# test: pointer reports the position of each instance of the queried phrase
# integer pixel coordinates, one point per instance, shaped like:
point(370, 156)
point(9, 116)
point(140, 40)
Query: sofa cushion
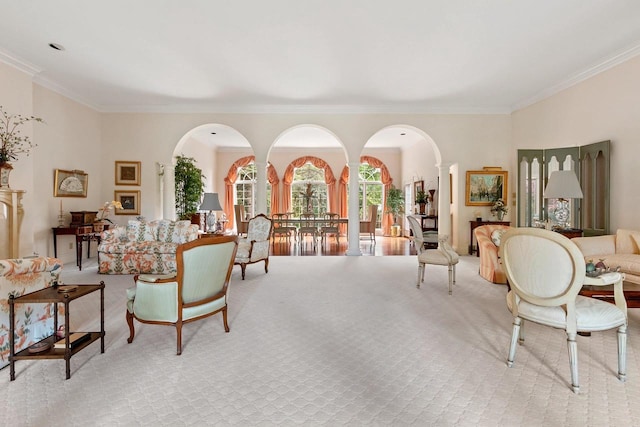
point(626, 241)
point(145, 247)
point(496, 235)
point(138, 231)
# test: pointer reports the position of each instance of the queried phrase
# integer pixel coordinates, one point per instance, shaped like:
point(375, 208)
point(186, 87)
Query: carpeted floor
point(328, 341)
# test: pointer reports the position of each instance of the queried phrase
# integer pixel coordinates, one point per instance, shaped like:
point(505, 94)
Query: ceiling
point(438, 56)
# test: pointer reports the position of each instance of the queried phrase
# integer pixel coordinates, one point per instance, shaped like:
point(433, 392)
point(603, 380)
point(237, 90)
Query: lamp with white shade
point(210, 203)
point(563, 185)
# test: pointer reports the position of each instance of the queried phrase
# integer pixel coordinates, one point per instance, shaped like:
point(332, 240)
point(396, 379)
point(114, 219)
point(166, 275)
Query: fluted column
point(444, 200)
point(354, 218)
point(261, 187)
point(168, 186)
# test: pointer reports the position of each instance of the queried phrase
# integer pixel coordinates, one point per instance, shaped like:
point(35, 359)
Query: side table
point(51, 295)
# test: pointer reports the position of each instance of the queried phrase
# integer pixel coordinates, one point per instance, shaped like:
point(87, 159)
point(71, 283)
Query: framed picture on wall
point(70, 183)
point(417, 186)
point(127, 173)
point(485, 186)
point(130, 201)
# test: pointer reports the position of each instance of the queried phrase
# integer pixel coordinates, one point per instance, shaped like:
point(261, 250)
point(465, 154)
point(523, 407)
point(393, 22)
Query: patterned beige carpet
point(328, 341)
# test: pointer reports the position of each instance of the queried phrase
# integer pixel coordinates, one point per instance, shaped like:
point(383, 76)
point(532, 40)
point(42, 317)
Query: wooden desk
point(475, 224)
point(569, 233)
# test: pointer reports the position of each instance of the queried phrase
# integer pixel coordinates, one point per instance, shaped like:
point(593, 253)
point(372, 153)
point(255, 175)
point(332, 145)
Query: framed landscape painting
point(130, 201)
point(485, 186)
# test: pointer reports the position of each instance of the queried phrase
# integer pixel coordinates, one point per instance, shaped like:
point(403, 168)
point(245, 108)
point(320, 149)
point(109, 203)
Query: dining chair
point(242, 224)
point(545, 272)
point(331, 226)
point(444, 255)
point(282, 228)
point(308, 226)
point(369, 226)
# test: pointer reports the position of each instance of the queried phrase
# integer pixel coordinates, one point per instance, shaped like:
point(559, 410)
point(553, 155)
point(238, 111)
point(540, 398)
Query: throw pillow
point(497, 235)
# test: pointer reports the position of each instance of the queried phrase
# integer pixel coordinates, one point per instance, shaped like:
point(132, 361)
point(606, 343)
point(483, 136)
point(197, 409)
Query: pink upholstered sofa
point(144, 247)
point(490, 266)
point(33, 321)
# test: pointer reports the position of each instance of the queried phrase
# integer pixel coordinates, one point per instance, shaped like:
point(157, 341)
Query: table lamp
point(563, 185)
point(211, 203)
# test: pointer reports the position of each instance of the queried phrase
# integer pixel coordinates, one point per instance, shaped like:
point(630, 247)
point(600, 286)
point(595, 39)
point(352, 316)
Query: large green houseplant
point(395, 206)
point(189, 186)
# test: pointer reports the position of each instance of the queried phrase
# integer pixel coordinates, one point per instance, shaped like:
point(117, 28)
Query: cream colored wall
point(16, 98)
point(604, 107)
point(70, 140)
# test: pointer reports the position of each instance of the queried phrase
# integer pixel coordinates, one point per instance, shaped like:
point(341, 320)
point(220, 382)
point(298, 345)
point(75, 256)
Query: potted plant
point(12, 143)
point(395, 206)
point(499, 209)
point(421, 200)
point(99, 223)
point(189, 187)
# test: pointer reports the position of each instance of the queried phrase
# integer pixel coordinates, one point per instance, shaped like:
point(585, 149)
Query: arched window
point(244, 188)
point(308, 190)
point(371, 191)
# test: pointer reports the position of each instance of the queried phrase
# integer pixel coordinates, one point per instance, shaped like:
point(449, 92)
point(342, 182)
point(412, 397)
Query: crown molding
point(51, 85)
point(22, 65)
point(607, 63)
point(300, 109)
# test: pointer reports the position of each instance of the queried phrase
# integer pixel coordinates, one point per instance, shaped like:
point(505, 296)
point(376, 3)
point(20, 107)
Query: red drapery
point(329, 179)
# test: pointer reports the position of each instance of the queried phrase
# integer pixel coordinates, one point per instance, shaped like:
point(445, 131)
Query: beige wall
point(604, 107)
point(77, 137)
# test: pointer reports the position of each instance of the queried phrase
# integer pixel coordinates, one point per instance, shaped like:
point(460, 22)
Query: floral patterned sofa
point(144, 247)
point(33, 321)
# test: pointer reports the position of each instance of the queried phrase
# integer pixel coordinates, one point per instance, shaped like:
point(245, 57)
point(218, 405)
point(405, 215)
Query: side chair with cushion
point(255, 247)
point(197, 290)
point(488, 238)
point(282, 228)
point(369, 226)
point(546, 272)
point(444, 255)
point(242, 225)
point(308, 226)
point(331, 226)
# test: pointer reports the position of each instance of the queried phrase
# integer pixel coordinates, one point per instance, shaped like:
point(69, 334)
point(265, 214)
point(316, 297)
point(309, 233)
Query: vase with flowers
point(499, 209)
point(103, 213)
point(12, 142)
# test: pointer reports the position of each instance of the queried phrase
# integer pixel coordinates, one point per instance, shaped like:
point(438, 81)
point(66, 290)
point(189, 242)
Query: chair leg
point(514, 338)
point(573, 360)
point(420, 274)
point(450, 279)
point(179, 336)
point(266, 265)
point(243, 267)
point(132, 331)
point(622, 353)
point(521, 336)
point(224, 319)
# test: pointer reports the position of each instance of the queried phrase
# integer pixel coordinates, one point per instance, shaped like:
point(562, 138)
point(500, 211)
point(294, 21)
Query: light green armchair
point(255, 247)
point(197, 290)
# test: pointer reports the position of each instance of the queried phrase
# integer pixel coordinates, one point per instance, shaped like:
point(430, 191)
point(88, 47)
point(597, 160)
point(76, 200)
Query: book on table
point(75, 339)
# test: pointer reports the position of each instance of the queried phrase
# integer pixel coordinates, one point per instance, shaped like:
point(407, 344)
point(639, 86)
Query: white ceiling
point(460, 56)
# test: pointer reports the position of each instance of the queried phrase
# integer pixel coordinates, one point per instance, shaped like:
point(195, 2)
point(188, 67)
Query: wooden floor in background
point(384, 246)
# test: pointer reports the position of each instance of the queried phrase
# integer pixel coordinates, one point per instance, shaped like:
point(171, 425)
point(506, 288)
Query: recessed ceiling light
point(402, 134)
point(213, 133)
point(56, 46)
